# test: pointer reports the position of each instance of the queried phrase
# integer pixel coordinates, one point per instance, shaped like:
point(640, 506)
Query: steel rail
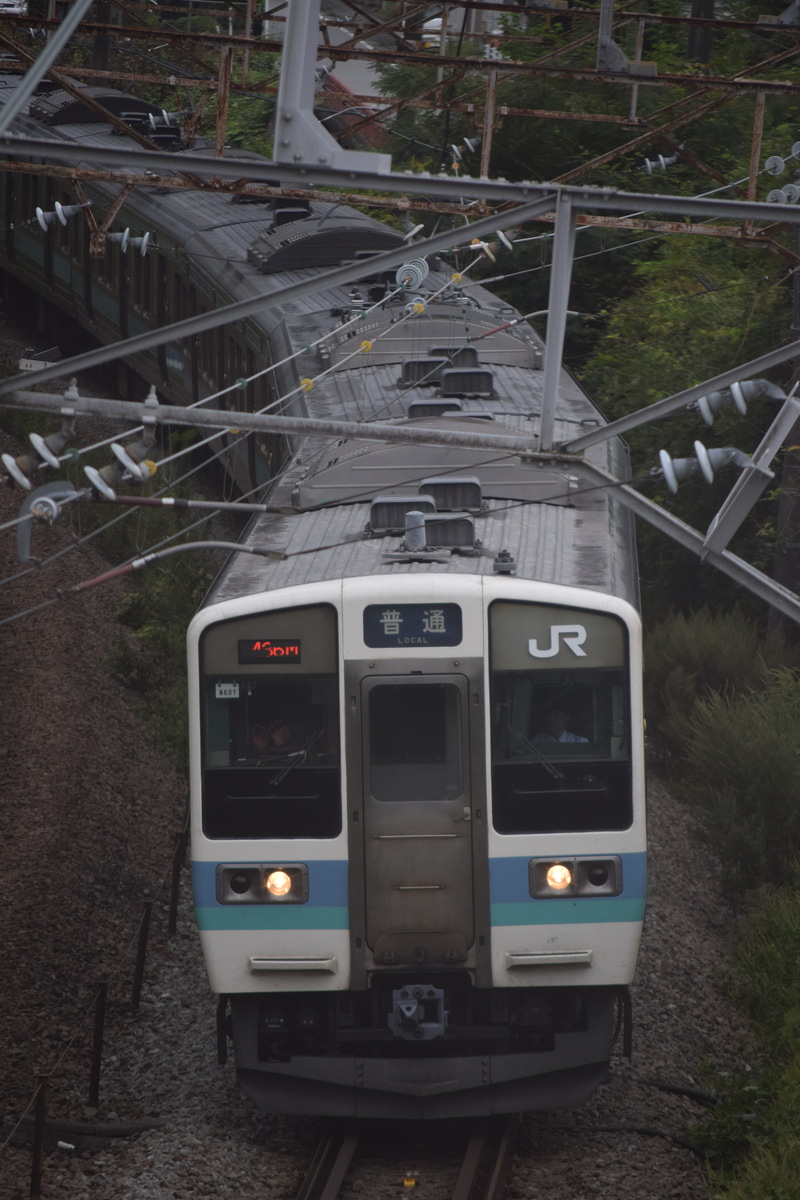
point(486, 1161)
point(329, 1167)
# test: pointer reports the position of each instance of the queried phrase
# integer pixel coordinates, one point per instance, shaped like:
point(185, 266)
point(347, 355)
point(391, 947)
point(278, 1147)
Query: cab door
point(417, 819)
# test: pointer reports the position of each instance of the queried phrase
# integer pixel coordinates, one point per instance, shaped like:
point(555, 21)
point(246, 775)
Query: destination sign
point(269, 651)
point(412, 625)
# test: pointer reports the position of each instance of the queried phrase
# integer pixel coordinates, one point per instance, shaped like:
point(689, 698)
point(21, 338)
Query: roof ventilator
point(454, 493)
point(422, 372)
point(433, 408)
point(475, 414)
point(424, 531)
point(453, 530)
point(388, 514)
point(460, 356)
point(471, 382)
point(286, 211)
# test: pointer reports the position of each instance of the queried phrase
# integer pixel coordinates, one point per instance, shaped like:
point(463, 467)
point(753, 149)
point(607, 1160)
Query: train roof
point(370, 362)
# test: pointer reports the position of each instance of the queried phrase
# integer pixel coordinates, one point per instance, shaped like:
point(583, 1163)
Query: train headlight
point(278, 884)
point(558, 877)
point(285, 883)
point(584, 877)
point(264, 883)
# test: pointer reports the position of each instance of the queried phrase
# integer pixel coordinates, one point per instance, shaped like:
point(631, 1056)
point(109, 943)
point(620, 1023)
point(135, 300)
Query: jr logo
point(574, 636)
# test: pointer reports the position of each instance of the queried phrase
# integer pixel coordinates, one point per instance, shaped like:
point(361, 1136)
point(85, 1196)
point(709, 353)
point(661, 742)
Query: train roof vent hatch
point(286, 211)
point(422, 372)
point(387, 514)
point(61, 108)
point(456, 530)
point(454, 493)
point(474, 381)
point(433, 408)
point(460, 356)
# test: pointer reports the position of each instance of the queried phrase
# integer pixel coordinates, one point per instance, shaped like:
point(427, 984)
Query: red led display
point(269, 650)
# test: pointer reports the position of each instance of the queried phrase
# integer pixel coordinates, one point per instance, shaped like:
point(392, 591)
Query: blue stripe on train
point(512, 903)
point(326, 908)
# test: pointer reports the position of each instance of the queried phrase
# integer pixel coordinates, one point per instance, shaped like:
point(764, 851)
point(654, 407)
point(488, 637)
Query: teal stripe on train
point(568, 912)
point(271, 917)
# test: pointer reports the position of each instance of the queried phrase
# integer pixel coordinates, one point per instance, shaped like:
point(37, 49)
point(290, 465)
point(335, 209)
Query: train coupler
point(418, 1013)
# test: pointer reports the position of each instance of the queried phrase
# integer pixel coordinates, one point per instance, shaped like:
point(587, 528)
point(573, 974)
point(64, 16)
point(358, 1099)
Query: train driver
point(554, 727)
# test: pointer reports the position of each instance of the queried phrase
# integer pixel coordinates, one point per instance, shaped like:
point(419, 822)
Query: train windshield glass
point(271, 726)
point(415, 749)
point(560, 723)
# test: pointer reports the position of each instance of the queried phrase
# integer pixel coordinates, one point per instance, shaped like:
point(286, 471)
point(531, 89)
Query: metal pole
point(223, 96)
point(37, 1164)
point(177, 864)
point(755, 151)
point(97, 1044)
point(488, 123)
point(141, 954)
point(560, 275)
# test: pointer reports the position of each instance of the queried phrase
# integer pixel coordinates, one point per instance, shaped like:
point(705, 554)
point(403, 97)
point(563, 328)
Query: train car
point(416, 733)
point(417, 765)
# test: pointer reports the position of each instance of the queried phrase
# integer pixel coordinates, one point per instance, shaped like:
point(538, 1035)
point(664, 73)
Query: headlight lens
point(278, 883)
point(558, 877)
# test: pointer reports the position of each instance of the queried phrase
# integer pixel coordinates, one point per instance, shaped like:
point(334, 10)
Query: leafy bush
point(765, 978)
point(159, 611)
point(743, 774)
point(689, 658)
point(751, 1136)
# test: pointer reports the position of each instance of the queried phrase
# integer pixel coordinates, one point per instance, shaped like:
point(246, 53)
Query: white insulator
point(668, 471)
point(792, 193)
point(412, 273)
point(738, 398)
point(775, 165)
point(776, 196)
point(704, 461)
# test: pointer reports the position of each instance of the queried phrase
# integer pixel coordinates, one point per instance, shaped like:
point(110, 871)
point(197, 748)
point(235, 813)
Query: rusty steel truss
point(209, 60)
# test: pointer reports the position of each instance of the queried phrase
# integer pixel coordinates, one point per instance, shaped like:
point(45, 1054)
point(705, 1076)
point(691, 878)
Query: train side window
point(141, 283)
point(64, 230)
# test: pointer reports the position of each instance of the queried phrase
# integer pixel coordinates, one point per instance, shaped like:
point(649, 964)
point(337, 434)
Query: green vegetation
point(723, 706)
point(166, 598)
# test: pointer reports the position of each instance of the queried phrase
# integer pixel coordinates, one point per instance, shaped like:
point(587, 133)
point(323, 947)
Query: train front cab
point(431, 904)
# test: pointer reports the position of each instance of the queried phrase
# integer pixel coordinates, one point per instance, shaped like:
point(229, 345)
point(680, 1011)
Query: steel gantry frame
point(705, 93)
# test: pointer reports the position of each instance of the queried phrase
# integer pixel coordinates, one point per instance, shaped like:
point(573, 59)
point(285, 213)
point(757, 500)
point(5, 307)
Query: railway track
point(485, 1157)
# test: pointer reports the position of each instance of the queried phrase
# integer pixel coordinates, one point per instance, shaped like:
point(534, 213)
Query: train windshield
point(271, 726)
point(560, 720)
